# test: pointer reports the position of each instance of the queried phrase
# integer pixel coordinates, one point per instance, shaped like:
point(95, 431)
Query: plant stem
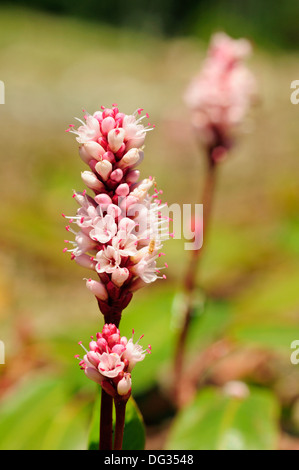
point(120, 411)
point(190, 279)
point(106, 422)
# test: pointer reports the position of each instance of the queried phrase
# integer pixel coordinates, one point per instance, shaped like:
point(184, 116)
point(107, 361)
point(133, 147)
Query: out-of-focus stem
point(120, 412)
point(106, 422)
point(191, 276)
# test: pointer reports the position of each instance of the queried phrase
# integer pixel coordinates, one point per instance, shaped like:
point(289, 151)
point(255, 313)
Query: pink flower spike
point(120, 232)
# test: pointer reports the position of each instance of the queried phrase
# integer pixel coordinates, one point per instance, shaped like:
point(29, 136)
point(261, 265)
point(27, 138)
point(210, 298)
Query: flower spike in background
point(219, 99)
point(220, 96)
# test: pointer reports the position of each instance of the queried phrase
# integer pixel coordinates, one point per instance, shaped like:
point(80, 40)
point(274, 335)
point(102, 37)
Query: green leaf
point(277, 337)
point(42, 413)
point(215, 421)
point(134, 433)
point(265, 314)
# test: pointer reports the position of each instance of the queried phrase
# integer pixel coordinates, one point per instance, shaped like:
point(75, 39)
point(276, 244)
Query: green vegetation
point(53, 67)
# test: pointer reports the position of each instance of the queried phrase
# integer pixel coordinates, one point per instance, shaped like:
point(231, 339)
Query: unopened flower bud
point(122, 190)
point(117, 175)
point(119, 276)
point(94, 149)
point(116, 138)
point(85, 156)
point(107, 125)
point(97, 288)
point(92, 181)
point(103, 200)
point(104, 169)
point(108, 156)
point(124, 385)
point(133, 176)
point(93, 375)
point(132, 157)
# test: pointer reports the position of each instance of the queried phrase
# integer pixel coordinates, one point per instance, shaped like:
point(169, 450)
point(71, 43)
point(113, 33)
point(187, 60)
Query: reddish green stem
point(106, 422)
point(120, 411)
point(190, 280)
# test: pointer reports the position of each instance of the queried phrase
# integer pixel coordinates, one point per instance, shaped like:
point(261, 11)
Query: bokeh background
point(57, 57)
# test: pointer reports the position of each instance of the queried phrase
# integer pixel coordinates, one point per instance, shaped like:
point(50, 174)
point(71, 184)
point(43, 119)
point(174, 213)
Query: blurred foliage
point(27, 416)
point(215, 421)
point(261, 21)
point(247, 307)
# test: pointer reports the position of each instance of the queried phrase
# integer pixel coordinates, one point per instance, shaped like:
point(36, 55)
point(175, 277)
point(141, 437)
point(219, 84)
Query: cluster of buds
point(111, 359)
point(121, 228)
point(221, 94)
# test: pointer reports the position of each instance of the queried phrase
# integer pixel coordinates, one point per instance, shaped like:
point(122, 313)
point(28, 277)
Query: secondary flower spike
point(220, 96)
point(111, 359)
point(119, 231)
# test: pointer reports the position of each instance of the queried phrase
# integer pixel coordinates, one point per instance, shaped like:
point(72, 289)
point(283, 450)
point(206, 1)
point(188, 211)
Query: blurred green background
point(82, 55)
